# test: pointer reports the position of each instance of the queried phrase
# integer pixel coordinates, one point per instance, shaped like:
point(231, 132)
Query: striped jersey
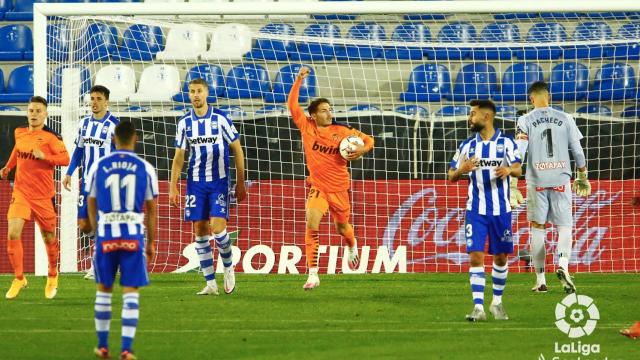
point(488, 194)
point(121, 182)
point(95, 139)
point(207, 138)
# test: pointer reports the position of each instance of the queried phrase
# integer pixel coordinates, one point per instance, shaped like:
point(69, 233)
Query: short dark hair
point(313, 107)
point(538, 86)
point(199, 81)
point(100, 89)
point(484, 104)
point(125, 130)
point(39, 100)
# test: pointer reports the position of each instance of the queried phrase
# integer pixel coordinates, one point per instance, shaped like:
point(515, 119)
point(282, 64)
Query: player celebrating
point(490, 158)
point(328, 174)
point(94, 141)
point(208, 133)
point(37, 151)
point(122, 189)
point(549, 135)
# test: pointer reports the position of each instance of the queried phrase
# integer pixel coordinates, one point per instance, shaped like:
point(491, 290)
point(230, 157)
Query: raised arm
point(299, 117)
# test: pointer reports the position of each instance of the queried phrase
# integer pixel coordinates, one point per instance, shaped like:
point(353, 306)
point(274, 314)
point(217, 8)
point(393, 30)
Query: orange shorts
point(338, 204)
point(43, 211)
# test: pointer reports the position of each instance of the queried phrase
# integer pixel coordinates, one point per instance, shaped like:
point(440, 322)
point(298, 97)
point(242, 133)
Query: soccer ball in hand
point(347, 145)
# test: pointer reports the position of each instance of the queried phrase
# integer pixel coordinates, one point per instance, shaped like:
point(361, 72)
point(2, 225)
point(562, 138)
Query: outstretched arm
point(299, 117)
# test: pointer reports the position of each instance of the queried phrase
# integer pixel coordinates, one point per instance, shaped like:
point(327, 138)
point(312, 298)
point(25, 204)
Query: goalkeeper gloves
point(516, 198)
point(581, 185)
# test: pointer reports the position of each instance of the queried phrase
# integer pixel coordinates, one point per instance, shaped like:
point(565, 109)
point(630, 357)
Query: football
point(347, 145)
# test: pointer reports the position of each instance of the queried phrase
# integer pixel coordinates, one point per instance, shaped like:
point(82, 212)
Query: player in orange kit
point(37, 151)
point(328, 174)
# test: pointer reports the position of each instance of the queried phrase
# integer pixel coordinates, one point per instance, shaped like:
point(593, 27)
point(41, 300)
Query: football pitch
point(387, 316)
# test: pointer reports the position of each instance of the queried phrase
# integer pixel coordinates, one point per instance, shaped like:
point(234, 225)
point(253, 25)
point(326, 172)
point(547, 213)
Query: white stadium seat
point(184, 42)
point(119, 79)
point(229, 42)
point(157, 83)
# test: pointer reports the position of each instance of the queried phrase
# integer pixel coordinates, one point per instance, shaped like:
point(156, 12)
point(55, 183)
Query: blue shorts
point(497, 228)
point(82, 203)
point(206, 199)
point(132, 264)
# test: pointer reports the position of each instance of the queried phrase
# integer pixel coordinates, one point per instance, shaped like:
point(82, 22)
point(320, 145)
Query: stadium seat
point(16, 43)
point(98, 42)
point(629, 51)
point(268, 49)
point(516, 81)
point(212, 74)
point(55, 84)
point(595, 109)
point(321, 50)
point(22, 11)
point(284, 81)
point(458, 32)
point(428, 82)
point(182, 108)
point(234, 112)
point(475, 81)
point(569, 81)
point(413, 111)
point(557, 107)
point(423, 17)
point(137, 108)
point(507, 112)
point(140, 43)
point(619, 15)
point(247, 81)
point(273, 109)
point(157, 83)
point(561, 15)
point(590, 31)
point(9, 108)
point(5, 5)
point(119, 79)
point(501, 32)
point(615, 81)
point(543, 33)
point(19, 86)
point(184, 42)
point(1, 82)
point(365, 107)
point(408, 33)
point(453, 110)
point(631, 112)
point(335, 16)
point(512, 16)
point(229, 42)
point(370, 31)
point(57, 41)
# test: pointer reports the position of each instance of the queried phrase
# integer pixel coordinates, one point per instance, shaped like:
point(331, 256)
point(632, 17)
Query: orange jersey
point(34, 177)
point(327, 168)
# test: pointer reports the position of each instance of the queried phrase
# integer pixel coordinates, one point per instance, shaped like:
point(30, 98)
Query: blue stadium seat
point(615, 81)
point(494, 34)
point(55, 84)
point(562, 15)
point(22, 11)
point(408, 33)
point(557, 107)
point(247, 81)
point(595, 109)
point(475, 81)
point(370, 31)
point(234, 112)
point(516, 81)
point(507, 112)
point(365, 107)
point(284, 81)
point(212, 74)
point(413, 110)
point(631, 112)
point(5, 5)
point(544, 33)
point(428, 82)
point(138, 108)
point(1, 82)
point(140, 42)
point(588, 31)
point(454, 110)
point(335, 16)
point(98, 42)
point(268, 49)
point(453, 33)
point(20, 85)
point(270, 109)
point(322, 50)
point(57, 41)
point(16, 43)
point(569, 81)
point(8, 108)
point(183, 108)
point(619, 15)
point(512, 16)
point(629, 31)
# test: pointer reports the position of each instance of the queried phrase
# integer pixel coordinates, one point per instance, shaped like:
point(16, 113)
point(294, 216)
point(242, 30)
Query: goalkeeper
point(549, 134)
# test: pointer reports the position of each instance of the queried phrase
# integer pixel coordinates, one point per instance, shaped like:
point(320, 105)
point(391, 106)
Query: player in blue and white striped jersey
point(122, 193)
point(94, 141)
point(490, 158)
point(209, 136)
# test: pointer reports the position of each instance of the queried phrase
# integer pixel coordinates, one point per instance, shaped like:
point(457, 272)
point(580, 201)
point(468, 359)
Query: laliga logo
point(577, 315)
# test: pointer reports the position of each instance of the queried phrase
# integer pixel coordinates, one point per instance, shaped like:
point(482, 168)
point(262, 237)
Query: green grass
point(408, 316)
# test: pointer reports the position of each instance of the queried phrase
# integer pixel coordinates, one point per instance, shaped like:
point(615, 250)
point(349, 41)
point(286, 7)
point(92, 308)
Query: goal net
point(404, 78)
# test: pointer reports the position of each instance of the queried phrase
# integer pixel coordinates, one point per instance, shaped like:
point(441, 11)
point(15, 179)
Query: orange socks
point(53, 253)
point(349, 236)
point(14, 249)
point(312, 241)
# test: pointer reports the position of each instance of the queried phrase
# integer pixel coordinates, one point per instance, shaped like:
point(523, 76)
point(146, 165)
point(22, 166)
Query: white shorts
point(550, 205)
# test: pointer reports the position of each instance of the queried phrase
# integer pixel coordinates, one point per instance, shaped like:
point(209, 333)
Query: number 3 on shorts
point(191, 201)
point(81, 200)
point(469, 229)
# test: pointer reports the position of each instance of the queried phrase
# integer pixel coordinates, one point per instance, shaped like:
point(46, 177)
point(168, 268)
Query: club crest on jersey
point(214, 125)
point(500, 147)
point(105, 130)
point(335, 137)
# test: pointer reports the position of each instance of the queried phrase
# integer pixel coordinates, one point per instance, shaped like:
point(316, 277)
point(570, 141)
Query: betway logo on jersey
point(203, 140)
point(325, 149)
point(483, 163)
point(93, 141)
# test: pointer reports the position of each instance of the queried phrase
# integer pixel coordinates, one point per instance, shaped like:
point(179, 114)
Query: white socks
point(538, 253)
point(564, 246)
